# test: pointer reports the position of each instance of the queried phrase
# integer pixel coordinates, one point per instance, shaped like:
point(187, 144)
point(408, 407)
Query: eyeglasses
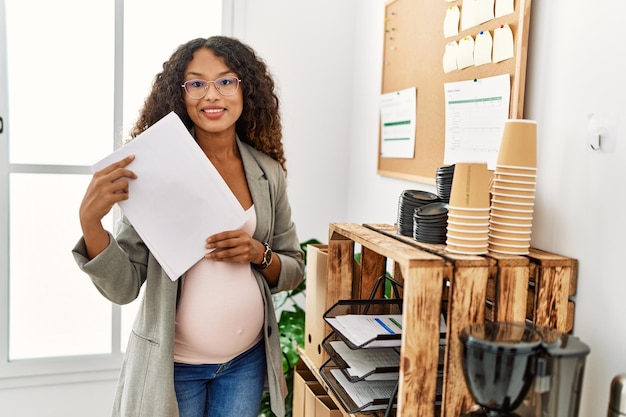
point(197, 89)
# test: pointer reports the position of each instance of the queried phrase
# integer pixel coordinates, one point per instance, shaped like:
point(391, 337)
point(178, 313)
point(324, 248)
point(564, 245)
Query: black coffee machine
point(521, 370)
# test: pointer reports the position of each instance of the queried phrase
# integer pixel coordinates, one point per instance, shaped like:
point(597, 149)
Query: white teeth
point(213, 110)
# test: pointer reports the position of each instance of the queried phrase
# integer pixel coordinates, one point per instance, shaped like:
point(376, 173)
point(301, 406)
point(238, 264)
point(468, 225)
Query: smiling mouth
point(213, 111)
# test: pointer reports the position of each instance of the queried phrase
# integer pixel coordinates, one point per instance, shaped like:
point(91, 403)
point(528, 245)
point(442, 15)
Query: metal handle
point(617, 398)
point(1, 125)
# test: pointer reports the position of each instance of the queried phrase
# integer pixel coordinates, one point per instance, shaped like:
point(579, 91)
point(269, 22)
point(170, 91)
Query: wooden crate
point(542, 284)
point(468, 289)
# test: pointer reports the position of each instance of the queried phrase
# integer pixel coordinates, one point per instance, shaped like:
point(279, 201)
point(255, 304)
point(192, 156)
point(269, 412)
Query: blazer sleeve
point(119, 271)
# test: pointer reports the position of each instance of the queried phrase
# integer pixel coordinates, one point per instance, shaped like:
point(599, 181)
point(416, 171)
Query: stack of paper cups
point(513, 189)
point(468, 210)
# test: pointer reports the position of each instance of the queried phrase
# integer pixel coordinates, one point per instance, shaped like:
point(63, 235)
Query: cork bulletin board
point(413, 57)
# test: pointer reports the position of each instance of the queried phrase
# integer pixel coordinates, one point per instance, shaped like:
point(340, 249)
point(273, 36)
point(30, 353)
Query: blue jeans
point(231, 389)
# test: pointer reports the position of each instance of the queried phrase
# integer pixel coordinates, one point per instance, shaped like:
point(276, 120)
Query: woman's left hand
point(234, 246)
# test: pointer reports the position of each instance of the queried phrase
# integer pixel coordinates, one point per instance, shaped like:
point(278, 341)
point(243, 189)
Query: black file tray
point(338, 360)
point(376, 407)
point(365, 307)
point(368, 306)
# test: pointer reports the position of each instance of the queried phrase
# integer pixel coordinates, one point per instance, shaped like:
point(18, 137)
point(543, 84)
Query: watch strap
point(267, 258)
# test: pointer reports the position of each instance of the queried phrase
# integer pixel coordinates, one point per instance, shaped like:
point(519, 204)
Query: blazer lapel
point(259, 189)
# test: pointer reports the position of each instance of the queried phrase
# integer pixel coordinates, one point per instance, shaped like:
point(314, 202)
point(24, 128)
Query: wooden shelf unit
point(468, 289)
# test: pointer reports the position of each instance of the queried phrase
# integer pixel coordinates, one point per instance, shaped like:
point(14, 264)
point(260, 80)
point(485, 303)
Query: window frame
point(69, 369)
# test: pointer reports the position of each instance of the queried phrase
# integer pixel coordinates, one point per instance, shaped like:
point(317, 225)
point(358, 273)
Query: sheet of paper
point(365, 392)
point(449, 57)
point(475, 114)
point(484, 11)
point(363, 329)
point(178, 198)
point(504, 7)
point(465, 52)
point(362, 362)
point(475, 12)
point(482, 48)
point(397, 114)
point(451, 22)
point(503, 45)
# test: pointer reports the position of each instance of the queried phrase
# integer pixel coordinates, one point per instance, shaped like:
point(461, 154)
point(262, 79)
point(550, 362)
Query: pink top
point(221, 312)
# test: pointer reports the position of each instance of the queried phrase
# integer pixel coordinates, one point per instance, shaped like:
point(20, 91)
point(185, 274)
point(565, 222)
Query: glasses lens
point(196, 88)
point(227, 86)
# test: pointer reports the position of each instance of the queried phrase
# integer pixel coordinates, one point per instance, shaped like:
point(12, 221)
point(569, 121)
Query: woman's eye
point(197, 84)
point(225, 81)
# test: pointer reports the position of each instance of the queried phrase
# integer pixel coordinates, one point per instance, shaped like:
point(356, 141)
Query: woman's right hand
point(107, 187)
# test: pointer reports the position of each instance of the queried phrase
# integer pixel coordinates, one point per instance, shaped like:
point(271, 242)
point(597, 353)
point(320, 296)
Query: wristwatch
point(267, 258)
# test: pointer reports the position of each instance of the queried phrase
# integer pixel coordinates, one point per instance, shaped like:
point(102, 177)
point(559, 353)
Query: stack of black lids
point(430, 223)
point(443, 182)
point(408, 202)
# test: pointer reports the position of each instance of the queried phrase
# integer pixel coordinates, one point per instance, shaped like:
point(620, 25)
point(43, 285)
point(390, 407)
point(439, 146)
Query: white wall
point(310, 50)
point(327, 56)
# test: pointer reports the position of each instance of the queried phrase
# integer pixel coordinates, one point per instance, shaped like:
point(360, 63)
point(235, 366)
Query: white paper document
point(362, 362)
point(362, 330)
point(178, 198)
point(397, 115)
point(363, 393)
point(475, 114)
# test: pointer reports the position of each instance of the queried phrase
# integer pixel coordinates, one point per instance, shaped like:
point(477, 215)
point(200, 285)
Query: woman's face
point(214, 113)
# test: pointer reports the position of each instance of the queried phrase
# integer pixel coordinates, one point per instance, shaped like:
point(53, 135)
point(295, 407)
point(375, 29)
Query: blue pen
point(379, 321)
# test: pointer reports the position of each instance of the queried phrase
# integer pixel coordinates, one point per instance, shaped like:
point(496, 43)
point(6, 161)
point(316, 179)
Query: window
point(63, 108)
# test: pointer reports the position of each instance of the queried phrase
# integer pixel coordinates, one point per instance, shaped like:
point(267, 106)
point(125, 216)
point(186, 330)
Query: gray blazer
point(146, 382)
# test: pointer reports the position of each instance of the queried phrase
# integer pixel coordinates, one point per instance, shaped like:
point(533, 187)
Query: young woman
point(205, 344)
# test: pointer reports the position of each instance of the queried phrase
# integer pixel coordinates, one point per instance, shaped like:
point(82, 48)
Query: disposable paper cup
point(468, 222)
point(498, 189)
point(512, 206)
point(508, 251)
point(509, 246)
point(515, 177)
point(468, 238)
point(516, 173)
point(462, 231)
point(513, 168)
point(528, 185)
point(468, 211)
point(464, 244)
point(479, 217)
point(456, 224)
point(511, 220)
point(513, 214)
point(512, 232)
point(499, 240)
point(517, 212)
point(518, 146)
point(520, 249)
point(505, 224)
point(513, 196)
point(522, 202)
point(470, 185)
point(465, 251)
point(493, 239)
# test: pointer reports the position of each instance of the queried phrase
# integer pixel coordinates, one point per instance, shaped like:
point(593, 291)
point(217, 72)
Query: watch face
point(267, 256)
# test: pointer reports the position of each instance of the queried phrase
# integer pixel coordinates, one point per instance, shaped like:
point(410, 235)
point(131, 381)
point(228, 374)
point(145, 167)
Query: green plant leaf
point(291, 329)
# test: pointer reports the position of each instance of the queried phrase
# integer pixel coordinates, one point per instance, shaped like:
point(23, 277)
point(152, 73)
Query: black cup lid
point(498, 336)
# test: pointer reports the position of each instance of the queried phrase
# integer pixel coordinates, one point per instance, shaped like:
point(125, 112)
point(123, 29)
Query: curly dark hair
point(259, 125)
